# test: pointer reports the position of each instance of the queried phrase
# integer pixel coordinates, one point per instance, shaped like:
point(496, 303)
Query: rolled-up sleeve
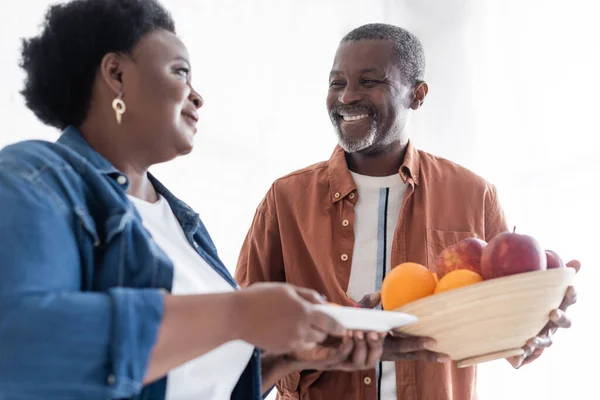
point(55, 340)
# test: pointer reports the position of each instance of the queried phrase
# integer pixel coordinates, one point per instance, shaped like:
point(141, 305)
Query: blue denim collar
point(72, 138)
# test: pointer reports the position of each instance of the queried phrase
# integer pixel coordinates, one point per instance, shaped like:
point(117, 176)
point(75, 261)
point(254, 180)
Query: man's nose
point(350, 95)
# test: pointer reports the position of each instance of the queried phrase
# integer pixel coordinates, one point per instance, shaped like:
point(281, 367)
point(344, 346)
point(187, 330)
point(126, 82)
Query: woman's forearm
point(191, 326)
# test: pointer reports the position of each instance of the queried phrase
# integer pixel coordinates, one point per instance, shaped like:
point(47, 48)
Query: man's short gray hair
point(408, 50)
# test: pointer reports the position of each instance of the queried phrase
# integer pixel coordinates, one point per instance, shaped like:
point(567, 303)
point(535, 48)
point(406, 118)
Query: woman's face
point(162, 106)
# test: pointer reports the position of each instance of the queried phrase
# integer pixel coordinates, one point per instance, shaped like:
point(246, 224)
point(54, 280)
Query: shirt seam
point(36, 183)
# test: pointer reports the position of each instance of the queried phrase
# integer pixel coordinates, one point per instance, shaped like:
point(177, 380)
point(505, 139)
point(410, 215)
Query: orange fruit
point(457, 278)
point(405, 283)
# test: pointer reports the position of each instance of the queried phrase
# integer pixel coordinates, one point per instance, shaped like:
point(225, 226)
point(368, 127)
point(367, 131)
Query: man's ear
point(420, 91)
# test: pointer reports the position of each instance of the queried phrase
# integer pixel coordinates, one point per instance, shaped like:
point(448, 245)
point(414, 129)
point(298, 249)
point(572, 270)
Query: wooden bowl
point(489, 320)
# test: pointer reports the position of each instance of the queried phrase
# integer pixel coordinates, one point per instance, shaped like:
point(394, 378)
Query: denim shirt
point(81, 280)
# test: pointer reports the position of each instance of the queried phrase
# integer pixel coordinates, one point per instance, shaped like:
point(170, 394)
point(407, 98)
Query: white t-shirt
point(214, 375)
point(376, 216)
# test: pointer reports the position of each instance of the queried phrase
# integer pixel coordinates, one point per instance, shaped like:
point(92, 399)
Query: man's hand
point(558, 319)
point(357, 351)
point(397, 347)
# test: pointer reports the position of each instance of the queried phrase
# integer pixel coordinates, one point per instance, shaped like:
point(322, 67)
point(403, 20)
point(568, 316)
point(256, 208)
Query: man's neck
point(384, 162)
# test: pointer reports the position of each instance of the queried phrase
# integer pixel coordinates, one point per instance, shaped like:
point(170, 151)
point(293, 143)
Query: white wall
point(513, 92)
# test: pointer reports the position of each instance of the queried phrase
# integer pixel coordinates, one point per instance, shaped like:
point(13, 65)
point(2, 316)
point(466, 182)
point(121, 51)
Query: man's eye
point(370, 81)
point(336, 84)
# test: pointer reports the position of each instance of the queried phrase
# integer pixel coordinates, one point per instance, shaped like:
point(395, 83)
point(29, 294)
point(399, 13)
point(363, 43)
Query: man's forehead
point(364, 56)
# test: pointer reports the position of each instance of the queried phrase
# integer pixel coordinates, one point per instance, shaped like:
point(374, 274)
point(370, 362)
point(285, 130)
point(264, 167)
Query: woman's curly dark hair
point(61, 63)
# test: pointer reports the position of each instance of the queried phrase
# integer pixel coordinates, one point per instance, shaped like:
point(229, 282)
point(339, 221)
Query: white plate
point(366, 319)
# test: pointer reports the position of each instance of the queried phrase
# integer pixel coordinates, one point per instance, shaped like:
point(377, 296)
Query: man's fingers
point(397, 334)
point(528, 358)
point(335, 356)
point(569, 299)
point(539, 342)
point(560, 318)
point(326, 323)
point(370, 300)
point(516, 361)
point(359, 355)
point(375, 348)
point(408, 345)
point(576, 265)
point(345, 349)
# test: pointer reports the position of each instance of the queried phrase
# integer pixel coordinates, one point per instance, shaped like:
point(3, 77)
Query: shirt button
point(345, 222)
point(121, 180)
point(110, 380)
point(352, 196)
point(344, 257)
point(367, 380)
point(337, 195)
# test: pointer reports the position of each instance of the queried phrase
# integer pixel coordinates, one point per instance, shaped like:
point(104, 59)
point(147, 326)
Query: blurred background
point(513, 96)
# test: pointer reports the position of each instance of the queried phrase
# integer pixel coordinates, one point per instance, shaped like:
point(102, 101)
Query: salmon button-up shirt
point(302, 233)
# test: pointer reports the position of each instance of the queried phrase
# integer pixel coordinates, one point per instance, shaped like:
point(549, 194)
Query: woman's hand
point(281, 318)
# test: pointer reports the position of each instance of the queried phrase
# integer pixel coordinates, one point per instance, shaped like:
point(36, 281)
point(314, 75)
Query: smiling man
point(341, 225)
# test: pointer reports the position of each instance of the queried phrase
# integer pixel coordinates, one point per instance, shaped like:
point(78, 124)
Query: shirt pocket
point(438, 240)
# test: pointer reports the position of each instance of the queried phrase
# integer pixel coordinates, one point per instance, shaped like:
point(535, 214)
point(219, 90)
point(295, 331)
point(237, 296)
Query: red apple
point(511, 253)
point(553, 260)
point(465, 254)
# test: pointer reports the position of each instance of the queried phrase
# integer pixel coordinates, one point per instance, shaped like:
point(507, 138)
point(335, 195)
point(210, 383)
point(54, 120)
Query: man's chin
point(354, 144)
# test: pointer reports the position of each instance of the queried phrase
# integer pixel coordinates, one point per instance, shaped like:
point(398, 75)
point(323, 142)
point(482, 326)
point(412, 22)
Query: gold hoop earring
point(119, 106)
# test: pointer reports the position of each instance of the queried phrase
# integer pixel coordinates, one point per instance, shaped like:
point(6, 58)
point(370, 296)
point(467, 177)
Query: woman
point(110, 286)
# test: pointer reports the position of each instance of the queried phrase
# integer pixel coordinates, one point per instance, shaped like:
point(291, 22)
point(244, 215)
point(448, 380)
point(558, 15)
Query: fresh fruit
point(511, 253)
point(457, 278)
point(405, 283)
point(465, 254)
point(553, 260)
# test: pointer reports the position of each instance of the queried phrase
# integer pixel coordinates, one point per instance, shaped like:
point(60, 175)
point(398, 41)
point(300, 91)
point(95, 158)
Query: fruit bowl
point(489, 320)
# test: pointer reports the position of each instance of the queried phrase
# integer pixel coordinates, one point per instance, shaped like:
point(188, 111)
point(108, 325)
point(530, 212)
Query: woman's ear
point(111, 72)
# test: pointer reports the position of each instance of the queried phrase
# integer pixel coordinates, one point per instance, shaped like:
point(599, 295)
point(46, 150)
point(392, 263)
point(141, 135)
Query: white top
point(376, 216)
point(213, 375)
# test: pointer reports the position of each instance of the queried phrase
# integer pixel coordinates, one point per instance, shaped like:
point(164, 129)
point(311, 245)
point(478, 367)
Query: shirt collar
point(188, 218)
point(340, 180)
point(73, 139)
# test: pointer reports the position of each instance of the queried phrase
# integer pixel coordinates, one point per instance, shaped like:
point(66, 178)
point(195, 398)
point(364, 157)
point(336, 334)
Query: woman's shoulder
point(33, 157)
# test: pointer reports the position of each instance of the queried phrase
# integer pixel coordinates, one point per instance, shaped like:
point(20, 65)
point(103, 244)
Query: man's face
point(368, 102)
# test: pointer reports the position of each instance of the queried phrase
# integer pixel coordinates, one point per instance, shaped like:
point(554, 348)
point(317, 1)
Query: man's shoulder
point(314, 174)
point(444, 170)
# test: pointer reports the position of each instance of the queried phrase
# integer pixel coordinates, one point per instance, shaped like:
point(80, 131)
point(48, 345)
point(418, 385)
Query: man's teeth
point(354, 117)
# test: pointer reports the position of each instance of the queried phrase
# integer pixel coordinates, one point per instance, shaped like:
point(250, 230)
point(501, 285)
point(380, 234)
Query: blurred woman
point(110, 286)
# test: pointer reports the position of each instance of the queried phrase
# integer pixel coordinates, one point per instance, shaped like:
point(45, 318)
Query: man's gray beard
point(353, 145)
